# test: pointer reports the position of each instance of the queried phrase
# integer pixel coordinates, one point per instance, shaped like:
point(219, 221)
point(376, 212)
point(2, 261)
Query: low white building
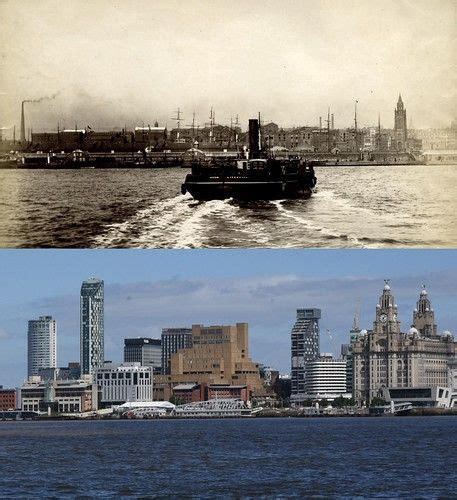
point(123, 382)
point(325, 378)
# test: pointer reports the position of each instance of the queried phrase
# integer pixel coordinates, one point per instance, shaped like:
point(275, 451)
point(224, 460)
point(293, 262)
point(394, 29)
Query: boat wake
point(182, 222)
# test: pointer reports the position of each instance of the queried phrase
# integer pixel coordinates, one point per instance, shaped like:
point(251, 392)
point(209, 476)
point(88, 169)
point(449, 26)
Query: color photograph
point(228, 249)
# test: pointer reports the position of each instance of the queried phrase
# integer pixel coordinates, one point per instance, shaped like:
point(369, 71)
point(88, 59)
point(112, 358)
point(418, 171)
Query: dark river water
point(411, 457)
point(401, 206)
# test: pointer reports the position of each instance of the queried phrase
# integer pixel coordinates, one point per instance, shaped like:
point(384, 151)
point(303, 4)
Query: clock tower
point(386, 321)
point(424, 316)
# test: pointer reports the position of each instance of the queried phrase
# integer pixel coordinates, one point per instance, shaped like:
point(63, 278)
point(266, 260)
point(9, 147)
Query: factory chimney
point(22, 123)
point(333, 122)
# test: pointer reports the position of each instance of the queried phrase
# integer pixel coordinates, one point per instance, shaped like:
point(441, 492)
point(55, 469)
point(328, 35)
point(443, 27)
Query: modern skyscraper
point(92, 338)
point(305, 346)
point(42, 344)
point(174, 339)
point(147, 352)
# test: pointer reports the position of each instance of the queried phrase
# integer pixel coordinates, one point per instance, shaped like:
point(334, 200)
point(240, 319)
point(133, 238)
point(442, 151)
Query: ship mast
point(178, 118)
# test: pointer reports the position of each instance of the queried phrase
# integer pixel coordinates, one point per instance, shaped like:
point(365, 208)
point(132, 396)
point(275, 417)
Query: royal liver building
point(386, 357)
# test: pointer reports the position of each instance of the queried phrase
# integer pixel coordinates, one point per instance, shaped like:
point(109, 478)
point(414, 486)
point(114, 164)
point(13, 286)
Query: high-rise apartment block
point(41, 344)
point(305, 346)
point(92, 338)
point(172, 340)
point(146, 351)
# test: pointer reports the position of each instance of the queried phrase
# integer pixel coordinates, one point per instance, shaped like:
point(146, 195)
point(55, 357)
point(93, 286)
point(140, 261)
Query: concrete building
point(120, 383)
point(41, 344)
point(172, 340)
point(59, 396)
point(92, 335)
point(304, 346)
point(219, 356)
point(325, 378)
point(385, 357)
point(146, 351)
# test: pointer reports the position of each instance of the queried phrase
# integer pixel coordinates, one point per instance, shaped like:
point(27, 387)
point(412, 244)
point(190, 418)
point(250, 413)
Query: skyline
point(147, 291)
point(290, 61)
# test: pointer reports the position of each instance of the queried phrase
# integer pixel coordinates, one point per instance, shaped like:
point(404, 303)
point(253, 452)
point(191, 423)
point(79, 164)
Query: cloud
point(267, 303)
point(3, 334)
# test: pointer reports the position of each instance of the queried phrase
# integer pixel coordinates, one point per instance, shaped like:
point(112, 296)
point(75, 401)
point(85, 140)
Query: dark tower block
point(400, 129)
point(424, 316)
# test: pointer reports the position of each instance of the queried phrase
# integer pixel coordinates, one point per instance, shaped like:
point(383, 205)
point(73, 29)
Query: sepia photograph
point(228, 249)
point(156, 124)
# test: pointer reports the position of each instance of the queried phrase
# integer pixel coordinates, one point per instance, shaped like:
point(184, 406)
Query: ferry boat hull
point(246, 190)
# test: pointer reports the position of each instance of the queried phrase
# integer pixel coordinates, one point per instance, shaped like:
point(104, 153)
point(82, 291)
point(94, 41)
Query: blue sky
point(146, 290)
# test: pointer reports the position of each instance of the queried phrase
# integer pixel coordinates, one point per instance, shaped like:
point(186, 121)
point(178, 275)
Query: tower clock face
point(383, 318)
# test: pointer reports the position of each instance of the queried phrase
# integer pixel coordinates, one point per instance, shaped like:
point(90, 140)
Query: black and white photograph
point(228, 249)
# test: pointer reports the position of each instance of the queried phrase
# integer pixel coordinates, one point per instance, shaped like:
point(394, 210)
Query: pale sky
point(134, 61)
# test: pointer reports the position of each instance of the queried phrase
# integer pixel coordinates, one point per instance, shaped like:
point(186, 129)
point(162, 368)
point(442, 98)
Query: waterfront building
point(385, 357)
point(92, 336)
point(41, 344)
point(154, 137)
point(304, 346)
point(146, 351)
point(8, 399)
point(219, 355)
point(325, 378)
point(59, 396)
point(400, 126)
point(120, 383)
point(172, 340)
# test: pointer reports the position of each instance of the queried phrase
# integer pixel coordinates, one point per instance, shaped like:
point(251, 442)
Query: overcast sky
point(147, 290)
point(133, 61)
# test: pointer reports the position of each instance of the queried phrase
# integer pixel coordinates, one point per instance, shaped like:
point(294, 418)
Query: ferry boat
point(258, 177)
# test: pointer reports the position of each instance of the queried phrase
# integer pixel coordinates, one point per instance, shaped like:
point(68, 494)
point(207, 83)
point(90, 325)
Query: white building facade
point(326, 378)
point(124, 382)
point(41, 344)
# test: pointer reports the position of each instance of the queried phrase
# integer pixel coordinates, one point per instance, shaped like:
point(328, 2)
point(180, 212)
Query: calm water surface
point(390, 457)
point(407, 206)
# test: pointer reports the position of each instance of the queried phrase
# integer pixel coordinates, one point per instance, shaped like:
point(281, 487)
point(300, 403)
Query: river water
point(411, 457)
point(387, 206)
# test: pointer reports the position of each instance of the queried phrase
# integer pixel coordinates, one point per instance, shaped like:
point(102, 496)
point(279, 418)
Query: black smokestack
point(254, 138)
